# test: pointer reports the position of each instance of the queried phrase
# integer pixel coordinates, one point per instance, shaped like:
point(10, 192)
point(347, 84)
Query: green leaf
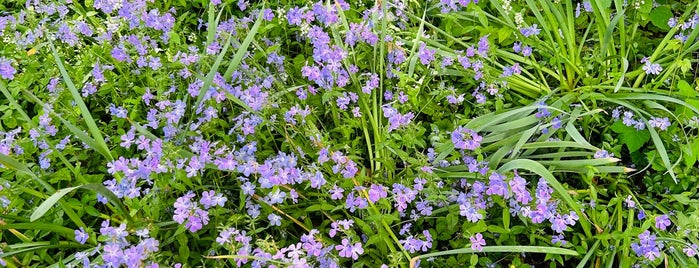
point(96, 187)
point(659, 17)
point(686, 89)
point(84, 111)
point(238, 57)
point(660, 148)
point(633, 138)
point(325, 207)
point(494, 249)
point(67, 232)
point(682, 199)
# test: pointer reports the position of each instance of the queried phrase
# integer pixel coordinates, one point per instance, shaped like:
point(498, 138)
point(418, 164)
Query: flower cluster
point(276, 124)
point(116, 250)
point(647, 247)
point(466, 139)
point(189, 211)
point(628, 118)
point(651, 68)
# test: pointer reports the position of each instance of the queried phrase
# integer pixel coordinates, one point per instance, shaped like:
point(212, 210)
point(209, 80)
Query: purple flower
point(119, 54)
point(672, 22)
point(395, 119)
point(558, 224)
point(348, 250)
point(211, 199)
point(529, 31)
point(81, 236)
point(519, 188)
point(274, 219)
point(602, 154)
point(371, 84)
point(426, 55)
point(336, 193)
point(661, 123)
point(641, 215)
point(267, 14)
point(483, 46)
point(558, 239)
point(629, 202)
point(691, 251)
point(651, 68)
point(6, 69)
point(470, 212)
point(497, 185)
point(477, 242)
point(647, 247)
point(543, 191)
point(294, 16)
point(188, 211)
point(542, 111)
point(377, 192)
point(464, 138)
point(662, 222)
point(118, 112)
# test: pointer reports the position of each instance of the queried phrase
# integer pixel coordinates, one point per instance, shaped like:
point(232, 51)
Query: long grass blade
point(96, 187)
point(496, 249)
point(85, 112)
point(243, 48)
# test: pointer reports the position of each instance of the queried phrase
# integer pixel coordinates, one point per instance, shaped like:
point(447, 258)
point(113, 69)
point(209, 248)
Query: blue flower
point(81, 236)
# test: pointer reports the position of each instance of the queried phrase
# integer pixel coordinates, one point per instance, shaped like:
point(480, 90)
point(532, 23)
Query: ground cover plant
point(388, 133)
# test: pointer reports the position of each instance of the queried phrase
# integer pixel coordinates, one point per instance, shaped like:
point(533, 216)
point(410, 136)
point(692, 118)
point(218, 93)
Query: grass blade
point(49, 202)
point(589, 254)
point(91, 125)
point(44, 226)
point(660, 147)
point(96, 187)
point(243, 48)
point(496, 249)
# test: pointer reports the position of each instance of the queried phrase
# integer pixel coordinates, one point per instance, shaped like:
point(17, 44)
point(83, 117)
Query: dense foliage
point(388, 133)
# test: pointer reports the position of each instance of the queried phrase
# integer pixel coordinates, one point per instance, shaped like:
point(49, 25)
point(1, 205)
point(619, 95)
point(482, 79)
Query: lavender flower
point(477, 242)
point(425, 54)
point(658, 122)
point(188, 211)
point(464, 138)
point(519, 189)
point(6, 70)
point(651, 68)
point(558, 239)
point(81, 236)
point(602, 154)
point(629, 202)
point(347, 250)
point(662, 222)
point(274, 219)
point(211, 199)
point(470, 212)
point(497, 185)
point(529, 31)
point(691, 251)
point(647, 247)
